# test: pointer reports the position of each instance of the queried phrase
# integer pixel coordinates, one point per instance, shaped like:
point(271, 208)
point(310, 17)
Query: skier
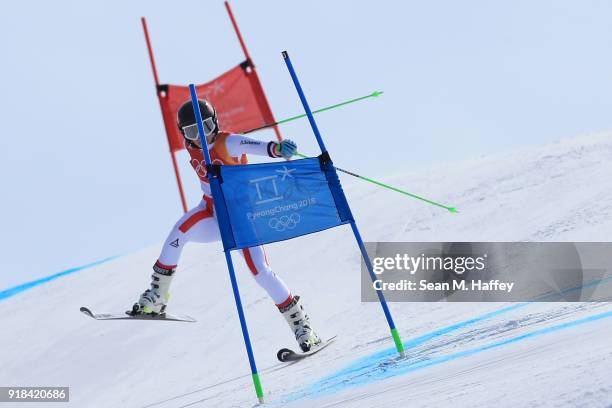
point(200, 223)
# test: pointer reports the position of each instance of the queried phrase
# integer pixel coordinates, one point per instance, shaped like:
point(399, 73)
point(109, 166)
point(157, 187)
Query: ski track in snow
point(464, 354)
point(387, 364)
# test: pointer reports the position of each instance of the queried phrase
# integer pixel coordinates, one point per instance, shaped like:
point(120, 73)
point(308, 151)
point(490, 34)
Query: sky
point(83, 156)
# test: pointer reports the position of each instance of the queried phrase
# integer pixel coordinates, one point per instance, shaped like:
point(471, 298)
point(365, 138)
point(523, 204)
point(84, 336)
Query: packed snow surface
point(459, 354)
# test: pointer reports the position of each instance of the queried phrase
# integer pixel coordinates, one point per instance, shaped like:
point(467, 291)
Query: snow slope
point(467, 355)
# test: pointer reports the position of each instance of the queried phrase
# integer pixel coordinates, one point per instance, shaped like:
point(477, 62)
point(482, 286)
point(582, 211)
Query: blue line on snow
point(448, 329)
point(381, 366)
point(383, 358)
point(7, 293)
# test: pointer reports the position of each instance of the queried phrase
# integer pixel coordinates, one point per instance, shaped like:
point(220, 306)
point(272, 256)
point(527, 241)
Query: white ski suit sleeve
point(238, 145)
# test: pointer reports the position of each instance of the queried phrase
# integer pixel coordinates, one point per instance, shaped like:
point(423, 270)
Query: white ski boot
point(154, 300)
point(300, 325)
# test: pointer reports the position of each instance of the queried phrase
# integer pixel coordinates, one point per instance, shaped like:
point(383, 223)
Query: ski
point(285, 355)
point(124, 316)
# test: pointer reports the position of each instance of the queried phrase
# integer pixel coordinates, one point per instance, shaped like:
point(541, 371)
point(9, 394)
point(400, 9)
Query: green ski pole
point(378, 183)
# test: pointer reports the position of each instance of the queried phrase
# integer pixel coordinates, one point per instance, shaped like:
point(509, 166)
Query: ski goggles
point(191, 131)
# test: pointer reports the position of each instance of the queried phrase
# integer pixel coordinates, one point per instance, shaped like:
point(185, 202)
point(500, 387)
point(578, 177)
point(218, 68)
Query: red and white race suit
point(200, 223)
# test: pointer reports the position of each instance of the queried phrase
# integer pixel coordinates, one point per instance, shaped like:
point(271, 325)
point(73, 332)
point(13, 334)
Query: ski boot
point(154, 300)
point(300, 325)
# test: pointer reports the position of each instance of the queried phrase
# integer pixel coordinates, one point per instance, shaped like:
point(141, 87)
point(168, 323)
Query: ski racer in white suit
point(200, 223)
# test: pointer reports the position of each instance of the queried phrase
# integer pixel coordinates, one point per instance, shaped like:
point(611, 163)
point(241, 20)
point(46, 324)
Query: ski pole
point(315, 129)
point(374, 94)
point(215, 190)
point(378, 183)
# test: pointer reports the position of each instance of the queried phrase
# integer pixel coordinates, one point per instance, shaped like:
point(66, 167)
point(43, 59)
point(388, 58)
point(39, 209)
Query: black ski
point(124, 316)
point(285, 355)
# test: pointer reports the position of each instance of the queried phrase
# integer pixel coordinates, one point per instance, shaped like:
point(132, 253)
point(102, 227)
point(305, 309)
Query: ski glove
point(286, 148)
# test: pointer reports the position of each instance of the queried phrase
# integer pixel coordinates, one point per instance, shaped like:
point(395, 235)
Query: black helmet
point(186, 117)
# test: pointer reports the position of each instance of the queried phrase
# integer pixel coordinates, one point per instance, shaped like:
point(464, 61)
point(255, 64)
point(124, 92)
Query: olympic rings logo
point(285, 222)
point(200, 166)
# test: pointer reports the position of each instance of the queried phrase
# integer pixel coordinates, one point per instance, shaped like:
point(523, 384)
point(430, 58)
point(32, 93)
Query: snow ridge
point(554, 353)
